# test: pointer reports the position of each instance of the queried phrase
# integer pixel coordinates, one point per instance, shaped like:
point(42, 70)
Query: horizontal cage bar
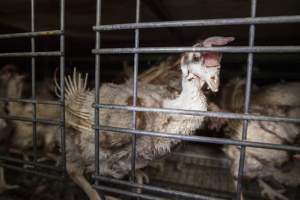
point(34, 172)
point(228, 49)
point(201, 139)
point(31, 34)
point(6, 158)
point(134, 194)
point(7, 99)
point(203, 22)
point(226, 115)
point(26, 119)
point(151, 188)
point(123, 192)
point(31, 54)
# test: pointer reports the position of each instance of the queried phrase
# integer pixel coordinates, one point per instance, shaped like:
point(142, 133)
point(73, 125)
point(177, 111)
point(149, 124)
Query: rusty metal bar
point(202, 22)
point(31, 34)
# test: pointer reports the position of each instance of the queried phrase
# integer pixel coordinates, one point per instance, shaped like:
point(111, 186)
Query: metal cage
point(60, 122)
point(246, 117)
point(251, 49)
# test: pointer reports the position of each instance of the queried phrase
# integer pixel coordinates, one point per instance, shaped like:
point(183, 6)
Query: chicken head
point(204, 66)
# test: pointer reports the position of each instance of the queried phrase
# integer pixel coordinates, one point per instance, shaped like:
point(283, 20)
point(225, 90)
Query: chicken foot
point(22, 153)
point(81, 181)
point(141, 178)
point(242, 193)
point(26, 157)
point(3, 185)
point(269, 192)
point(52, 157)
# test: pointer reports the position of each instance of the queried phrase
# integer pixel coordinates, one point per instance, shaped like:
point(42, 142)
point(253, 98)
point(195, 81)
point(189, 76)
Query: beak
point(209, 74)
point(213, 83)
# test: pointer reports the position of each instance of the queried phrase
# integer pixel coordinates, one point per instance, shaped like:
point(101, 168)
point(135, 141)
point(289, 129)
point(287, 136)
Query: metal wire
point(33, 54)
point(251, 49)
point(225, 115)
point(30, 54)
point(203, 22)
point(20, 100)
point(33, 92)
point(135, 92)
point(228, 49)
point(97, 91)
point(98, 51)
point(246, 102)
point(126, 193)
point(202, 139)
point(154, 189)
point(25, 162)
point(31, 34)
point(62, 85)
point(34, 172)
point(26, 119)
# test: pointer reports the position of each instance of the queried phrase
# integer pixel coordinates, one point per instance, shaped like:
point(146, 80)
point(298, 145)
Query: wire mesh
point(135, 90)
point(247, 102)
point(246, 117)
point(251, 49)
point(97, 93)
point(34, 120)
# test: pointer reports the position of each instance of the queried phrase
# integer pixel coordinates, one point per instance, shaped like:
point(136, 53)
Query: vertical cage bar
point(33, 88)
point(62, 83)
point(247, 100)
point(135, 89)
point(97, 93)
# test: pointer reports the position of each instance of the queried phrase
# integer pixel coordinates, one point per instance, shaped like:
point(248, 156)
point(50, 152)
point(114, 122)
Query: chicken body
point(21, 139)
point(6, 130)
point(260, 163)
point(5, 134)
point(281, 94)
point(265, 132)
point(115, 148)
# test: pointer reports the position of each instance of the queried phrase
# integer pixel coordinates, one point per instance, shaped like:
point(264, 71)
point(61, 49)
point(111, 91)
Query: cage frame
point(250, 50)
point(252, 21)
point(33, 54)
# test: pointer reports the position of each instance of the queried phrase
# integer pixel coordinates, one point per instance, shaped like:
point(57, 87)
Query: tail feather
point(57, 88)
point(73, 85)
point(75, 96)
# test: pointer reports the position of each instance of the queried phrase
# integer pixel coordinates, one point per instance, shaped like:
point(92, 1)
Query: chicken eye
point(196, 57)
point(190, 79)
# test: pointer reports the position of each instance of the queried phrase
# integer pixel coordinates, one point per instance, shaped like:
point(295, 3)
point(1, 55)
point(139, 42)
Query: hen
point(5, 132)
point(20, 140)
point(198, 69)
point(260, 163)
